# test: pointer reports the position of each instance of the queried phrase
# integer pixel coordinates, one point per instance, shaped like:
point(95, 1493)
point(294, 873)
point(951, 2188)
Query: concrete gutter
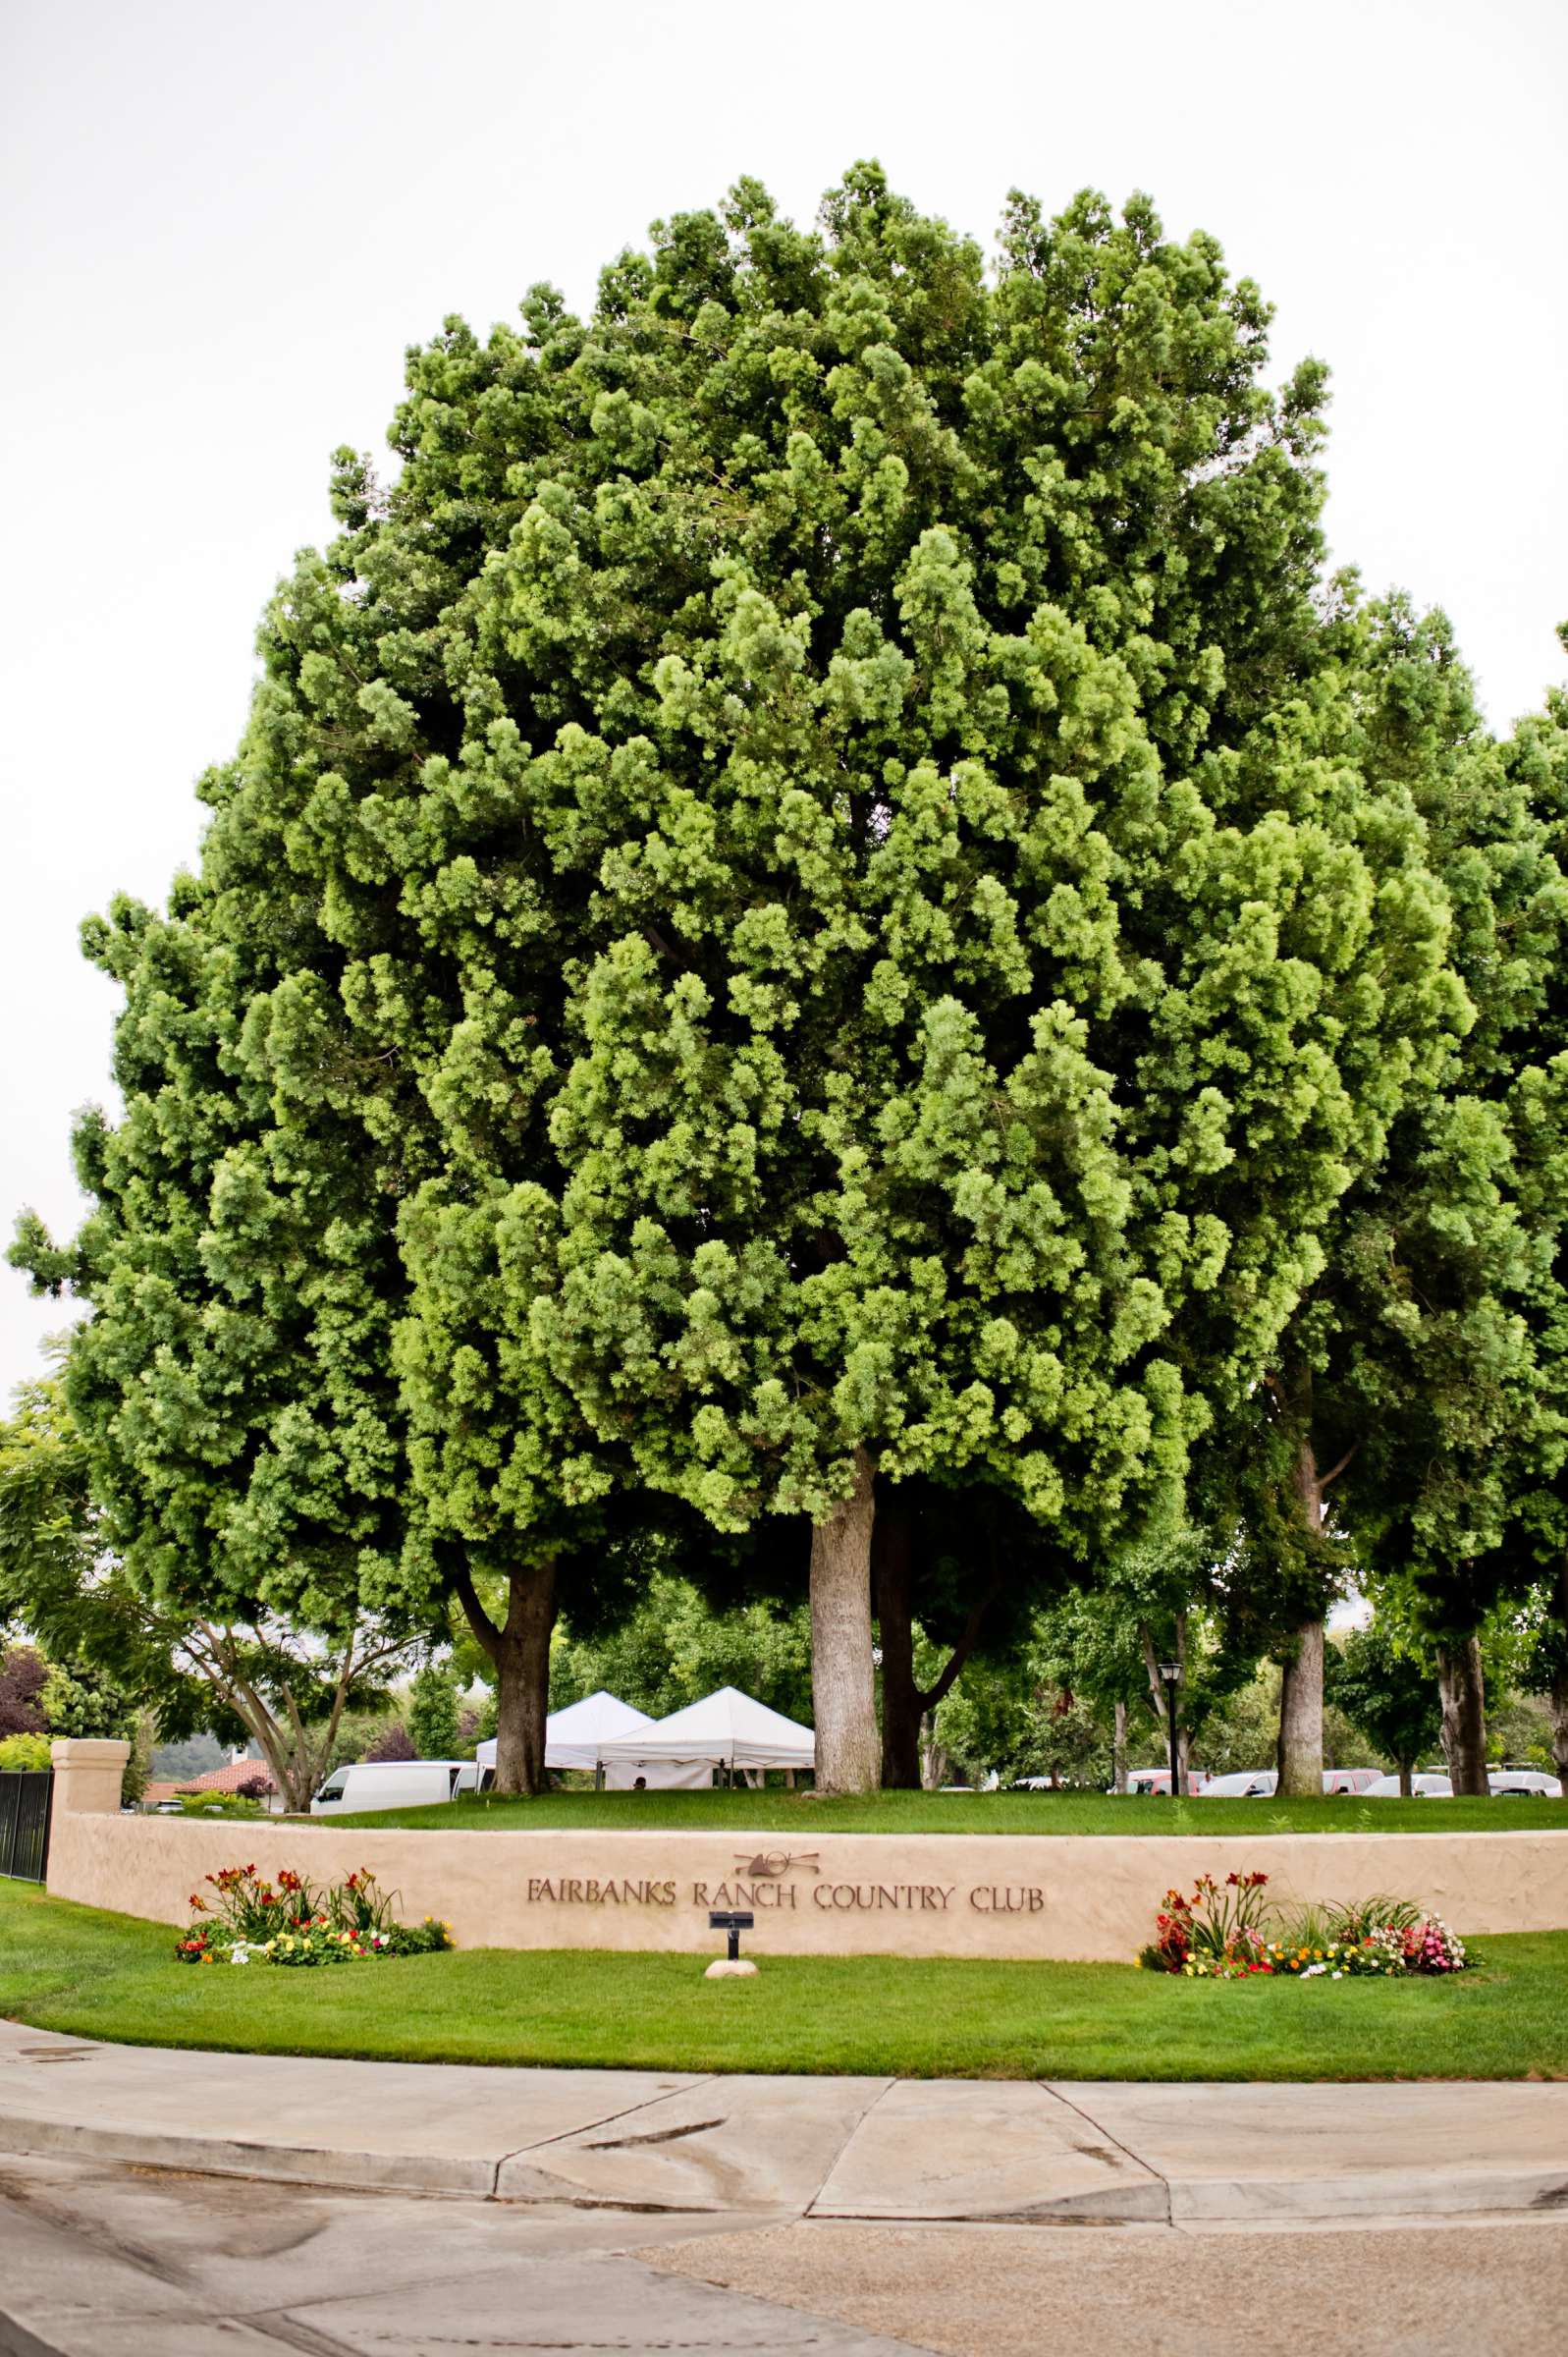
point(912, 2150)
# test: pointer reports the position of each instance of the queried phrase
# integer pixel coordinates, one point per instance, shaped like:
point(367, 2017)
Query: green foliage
point(999, 1717)
point(1243, 1730)
point(86, 1701)
point(433, 1714)
point(132, 1646)
point(672, 1650)
point(24, 1751)
point(219, 1804)
point(1385, 1692)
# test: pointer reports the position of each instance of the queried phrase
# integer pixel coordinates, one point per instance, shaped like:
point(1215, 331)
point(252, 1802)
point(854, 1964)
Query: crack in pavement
point(542, 2143)
point(625, 2144)
point(1051, 2088)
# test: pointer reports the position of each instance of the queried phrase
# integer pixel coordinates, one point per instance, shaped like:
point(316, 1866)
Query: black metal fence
point(26, 1794)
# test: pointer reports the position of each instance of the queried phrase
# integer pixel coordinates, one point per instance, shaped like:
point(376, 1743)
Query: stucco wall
point(1090, 1897)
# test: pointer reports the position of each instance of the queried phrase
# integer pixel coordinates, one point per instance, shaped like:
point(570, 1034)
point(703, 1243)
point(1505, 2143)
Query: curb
point(225, 2157)
point(1177, 2201)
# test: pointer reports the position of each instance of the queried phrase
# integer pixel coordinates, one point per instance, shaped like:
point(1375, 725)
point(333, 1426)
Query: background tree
point(248, 1676)
point(23, 1674)
point(955, 1573)
point(674, 1648)
point(433, 1714)
point(1391, 1696)
point(1406, 1370)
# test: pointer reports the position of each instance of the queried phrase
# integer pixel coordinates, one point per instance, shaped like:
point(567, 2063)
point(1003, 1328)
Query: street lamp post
point(1170, 1679)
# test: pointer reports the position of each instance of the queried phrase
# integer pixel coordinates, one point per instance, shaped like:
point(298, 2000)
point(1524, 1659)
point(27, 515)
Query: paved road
point(155, 2201)
point(106, 2261)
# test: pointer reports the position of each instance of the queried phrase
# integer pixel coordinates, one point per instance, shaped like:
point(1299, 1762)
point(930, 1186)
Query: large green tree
point(1387, 1427)
point(807, 907)
point(1480, 1518)
point(1012, 964)
point(234, 1422)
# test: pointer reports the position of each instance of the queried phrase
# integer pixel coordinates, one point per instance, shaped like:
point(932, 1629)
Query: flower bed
point(286, 1921)
point(1230, 1932)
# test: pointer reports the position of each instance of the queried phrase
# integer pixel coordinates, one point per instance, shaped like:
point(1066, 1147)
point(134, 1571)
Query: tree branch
point(928, 1697)
point(1334, 1472)
point(486, 1633)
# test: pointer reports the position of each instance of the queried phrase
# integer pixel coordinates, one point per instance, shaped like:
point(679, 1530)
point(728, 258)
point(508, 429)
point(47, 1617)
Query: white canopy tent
point(575, 1737)
point(724, 1729)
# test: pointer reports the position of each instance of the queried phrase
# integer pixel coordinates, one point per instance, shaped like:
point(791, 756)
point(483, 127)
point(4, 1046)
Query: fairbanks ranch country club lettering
point(772, 1890)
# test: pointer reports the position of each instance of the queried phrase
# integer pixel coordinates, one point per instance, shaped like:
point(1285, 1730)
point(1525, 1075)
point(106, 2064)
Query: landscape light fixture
point(734, 1921)
point(1171, 1678)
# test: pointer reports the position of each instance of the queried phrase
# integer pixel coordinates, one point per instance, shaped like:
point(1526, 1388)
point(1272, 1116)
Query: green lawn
point(802, 1814)
point(91, 1974)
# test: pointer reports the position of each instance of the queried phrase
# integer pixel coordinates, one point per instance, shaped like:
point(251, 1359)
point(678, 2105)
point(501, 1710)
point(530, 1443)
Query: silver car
point(1524, 1783)
point(1427, 1785)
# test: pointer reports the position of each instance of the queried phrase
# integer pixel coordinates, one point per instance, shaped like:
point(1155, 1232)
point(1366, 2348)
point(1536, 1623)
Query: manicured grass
point(802, 1814)
point(96, 1975)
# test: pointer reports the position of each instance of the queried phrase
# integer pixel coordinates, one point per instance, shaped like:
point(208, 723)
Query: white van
point(391, 1785)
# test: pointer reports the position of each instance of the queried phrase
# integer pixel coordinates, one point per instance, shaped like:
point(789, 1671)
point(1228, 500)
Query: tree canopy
point(821, 895)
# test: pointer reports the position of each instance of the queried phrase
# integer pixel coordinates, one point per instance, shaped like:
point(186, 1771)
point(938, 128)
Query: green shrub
point(24, 1751)
point(219, 1804)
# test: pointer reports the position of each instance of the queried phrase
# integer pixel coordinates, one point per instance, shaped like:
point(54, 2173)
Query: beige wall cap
point(89, 1751)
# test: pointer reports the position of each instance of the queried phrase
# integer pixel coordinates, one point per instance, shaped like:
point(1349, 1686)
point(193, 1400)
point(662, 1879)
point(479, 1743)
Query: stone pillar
point(88, 1773)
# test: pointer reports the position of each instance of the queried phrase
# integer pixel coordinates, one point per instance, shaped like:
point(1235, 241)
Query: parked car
point(1242, 1784)
point(1425, 1785)
point(1261, 1783)
point(391, 1785)
point(1155, 1783)
point(1524, 1783)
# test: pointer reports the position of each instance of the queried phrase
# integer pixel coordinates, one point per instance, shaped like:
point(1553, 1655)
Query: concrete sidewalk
point(912, 2150)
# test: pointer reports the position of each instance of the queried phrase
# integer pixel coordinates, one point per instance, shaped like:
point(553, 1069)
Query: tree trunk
point(1557, 1704)
point(1119, 1749)
point(1300, 1751)
point(1464, 1715)
point(935, 1763)
point(520, 1652)
point(905, 1702)
point(1557, 1691)
point(902, 1703)
point(1407, 1779)
point(1300, 1754)
point(296, 1779)
point(843, 1676)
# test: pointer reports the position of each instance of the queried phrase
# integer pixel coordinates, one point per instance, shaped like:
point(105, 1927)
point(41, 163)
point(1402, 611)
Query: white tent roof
point(575, 1737)
point(726, 1726)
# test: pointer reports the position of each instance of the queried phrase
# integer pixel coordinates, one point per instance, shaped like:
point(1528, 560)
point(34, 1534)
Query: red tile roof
point(227, 1778)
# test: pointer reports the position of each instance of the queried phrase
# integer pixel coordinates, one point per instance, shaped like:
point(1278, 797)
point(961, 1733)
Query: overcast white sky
point(222, 224)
